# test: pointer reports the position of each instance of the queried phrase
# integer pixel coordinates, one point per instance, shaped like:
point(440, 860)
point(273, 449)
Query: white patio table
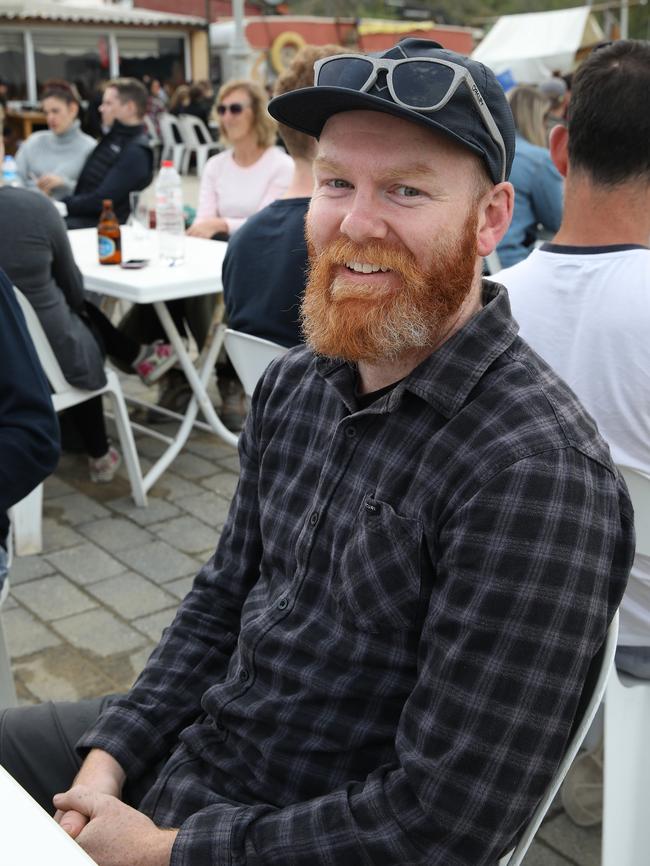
point(158, 283)
point(29, 835)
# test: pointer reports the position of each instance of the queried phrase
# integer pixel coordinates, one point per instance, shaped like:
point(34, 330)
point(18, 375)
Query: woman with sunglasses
point(251, 173)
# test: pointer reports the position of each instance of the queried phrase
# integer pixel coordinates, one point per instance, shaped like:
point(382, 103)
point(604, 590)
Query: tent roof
point(534, 44)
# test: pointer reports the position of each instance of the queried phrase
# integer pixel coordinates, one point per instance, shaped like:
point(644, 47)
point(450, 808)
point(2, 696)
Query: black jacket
point(121, 163)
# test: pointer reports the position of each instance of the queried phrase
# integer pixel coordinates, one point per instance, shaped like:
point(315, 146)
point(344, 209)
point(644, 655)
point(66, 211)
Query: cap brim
point(309, 109)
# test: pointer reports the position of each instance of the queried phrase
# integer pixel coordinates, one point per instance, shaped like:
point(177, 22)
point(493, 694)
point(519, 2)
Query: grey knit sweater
point(47, 153)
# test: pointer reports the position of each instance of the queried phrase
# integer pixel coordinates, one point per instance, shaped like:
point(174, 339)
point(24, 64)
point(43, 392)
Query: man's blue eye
point(408, 191)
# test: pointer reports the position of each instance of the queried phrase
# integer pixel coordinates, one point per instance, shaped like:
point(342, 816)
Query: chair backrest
point(44, 351)
point(638, 485)
point(194, 131)
point(170, 129)
point(250, 356)
point(151, 130)
point(590, 700)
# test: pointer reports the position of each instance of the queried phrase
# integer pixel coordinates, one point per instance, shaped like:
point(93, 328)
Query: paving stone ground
point(84, 615)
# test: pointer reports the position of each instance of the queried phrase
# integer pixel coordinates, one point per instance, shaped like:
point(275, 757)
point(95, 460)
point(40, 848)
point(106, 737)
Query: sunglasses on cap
point(233, 108)
point(418, 83)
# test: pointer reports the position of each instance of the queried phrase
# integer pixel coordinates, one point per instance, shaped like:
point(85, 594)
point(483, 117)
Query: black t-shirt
point(264, 272)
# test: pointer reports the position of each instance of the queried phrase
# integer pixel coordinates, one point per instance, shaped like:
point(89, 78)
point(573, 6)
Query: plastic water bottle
point(9, 172)
point(170, 219)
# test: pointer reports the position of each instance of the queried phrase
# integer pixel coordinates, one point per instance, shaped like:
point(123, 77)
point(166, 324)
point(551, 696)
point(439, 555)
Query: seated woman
point(251, 173)
point(51, 160)
point(537, 183)
point(35, 253)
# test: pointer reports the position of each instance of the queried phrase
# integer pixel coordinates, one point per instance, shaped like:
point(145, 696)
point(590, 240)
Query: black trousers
point(37, 747)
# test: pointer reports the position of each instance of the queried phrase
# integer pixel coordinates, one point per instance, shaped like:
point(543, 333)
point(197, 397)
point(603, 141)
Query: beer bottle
point(108, 236)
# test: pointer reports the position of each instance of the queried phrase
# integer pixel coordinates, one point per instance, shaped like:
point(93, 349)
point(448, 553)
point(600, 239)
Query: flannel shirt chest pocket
point(377, 584)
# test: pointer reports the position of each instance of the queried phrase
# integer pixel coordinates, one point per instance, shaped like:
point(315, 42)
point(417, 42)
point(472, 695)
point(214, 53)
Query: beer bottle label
point(106, 247)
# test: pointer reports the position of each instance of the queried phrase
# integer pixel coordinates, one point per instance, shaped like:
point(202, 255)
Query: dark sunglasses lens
point(235, 108)
point(350, 72)
point(421, 84)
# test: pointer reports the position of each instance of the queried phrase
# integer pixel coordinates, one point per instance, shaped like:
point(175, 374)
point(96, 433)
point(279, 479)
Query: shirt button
point(351, 431)
point(313, 519)
point(282, 604)
point(243, 675)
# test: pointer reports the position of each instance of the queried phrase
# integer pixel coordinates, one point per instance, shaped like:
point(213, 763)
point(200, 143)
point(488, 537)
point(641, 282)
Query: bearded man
point(383, 659)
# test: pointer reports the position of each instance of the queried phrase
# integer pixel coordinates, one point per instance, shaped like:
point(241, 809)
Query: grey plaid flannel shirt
point(382, 661)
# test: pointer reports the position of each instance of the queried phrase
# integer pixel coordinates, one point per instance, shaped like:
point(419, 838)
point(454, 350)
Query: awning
point(533, 45)
point(95, 13)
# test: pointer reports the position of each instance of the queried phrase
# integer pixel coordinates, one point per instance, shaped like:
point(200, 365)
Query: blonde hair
point(529, 108)
point(263, 124)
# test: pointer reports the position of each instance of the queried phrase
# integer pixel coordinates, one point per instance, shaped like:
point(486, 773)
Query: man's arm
point(132, 171)
point(29, 435)
point(528, 572)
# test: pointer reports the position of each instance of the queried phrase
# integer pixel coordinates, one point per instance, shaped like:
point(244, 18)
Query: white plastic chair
point(626, 801)
point(7, 687)
point(250, 356)
point(154, 139)
point(173, 146)
point(599, 670)
point(26, 515)
point(197, 140)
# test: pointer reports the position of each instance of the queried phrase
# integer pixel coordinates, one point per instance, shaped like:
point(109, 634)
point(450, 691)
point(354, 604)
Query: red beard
point(355, 321)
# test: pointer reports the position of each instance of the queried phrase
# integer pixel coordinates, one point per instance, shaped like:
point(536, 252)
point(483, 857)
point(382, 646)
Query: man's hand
point(101, 773)
point(47, 183)
point(115, 834)
point(207, 227)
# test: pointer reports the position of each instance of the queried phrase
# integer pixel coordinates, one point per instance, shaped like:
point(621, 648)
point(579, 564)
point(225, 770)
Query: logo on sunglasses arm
point(477, 93)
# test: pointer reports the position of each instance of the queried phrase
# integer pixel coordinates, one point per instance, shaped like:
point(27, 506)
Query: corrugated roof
point(95, 14)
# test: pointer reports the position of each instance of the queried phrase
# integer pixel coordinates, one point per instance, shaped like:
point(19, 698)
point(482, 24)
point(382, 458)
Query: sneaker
point(102, 469)
point(582, 789)
point(156, 360)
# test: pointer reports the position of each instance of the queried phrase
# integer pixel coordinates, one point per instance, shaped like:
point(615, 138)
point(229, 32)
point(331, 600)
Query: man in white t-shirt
point(583, 301)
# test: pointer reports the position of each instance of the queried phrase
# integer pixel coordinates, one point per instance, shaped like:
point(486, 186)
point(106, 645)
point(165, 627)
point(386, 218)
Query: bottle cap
point(167, 163)
point(107, 203)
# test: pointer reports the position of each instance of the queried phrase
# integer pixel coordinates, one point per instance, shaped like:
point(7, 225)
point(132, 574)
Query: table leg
point(197, 381)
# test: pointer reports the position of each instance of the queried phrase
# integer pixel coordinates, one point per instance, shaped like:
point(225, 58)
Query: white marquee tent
point(531, 46)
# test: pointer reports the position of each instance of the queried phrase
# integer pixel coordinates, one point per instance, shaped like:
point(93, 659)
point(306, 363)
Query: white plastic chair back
point(173, 146)
point(26, 514)
point(626, 806)
point(604, 662)
point(250, 356)
point(197, 140)
point(44, 351)
point(638, 485)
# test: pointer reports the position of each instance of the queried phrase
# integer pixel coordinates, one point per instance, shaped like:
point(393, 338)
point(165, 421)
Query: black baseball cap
point(309, 108)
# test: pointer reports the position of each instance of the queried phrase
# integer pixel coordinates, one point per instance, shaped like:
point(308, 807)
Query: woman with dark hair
point(51, 160)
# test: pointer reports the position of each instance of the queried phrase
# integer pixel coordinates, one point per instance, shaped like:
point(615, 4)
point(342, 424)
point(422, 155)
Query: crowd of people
point(385, 656)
